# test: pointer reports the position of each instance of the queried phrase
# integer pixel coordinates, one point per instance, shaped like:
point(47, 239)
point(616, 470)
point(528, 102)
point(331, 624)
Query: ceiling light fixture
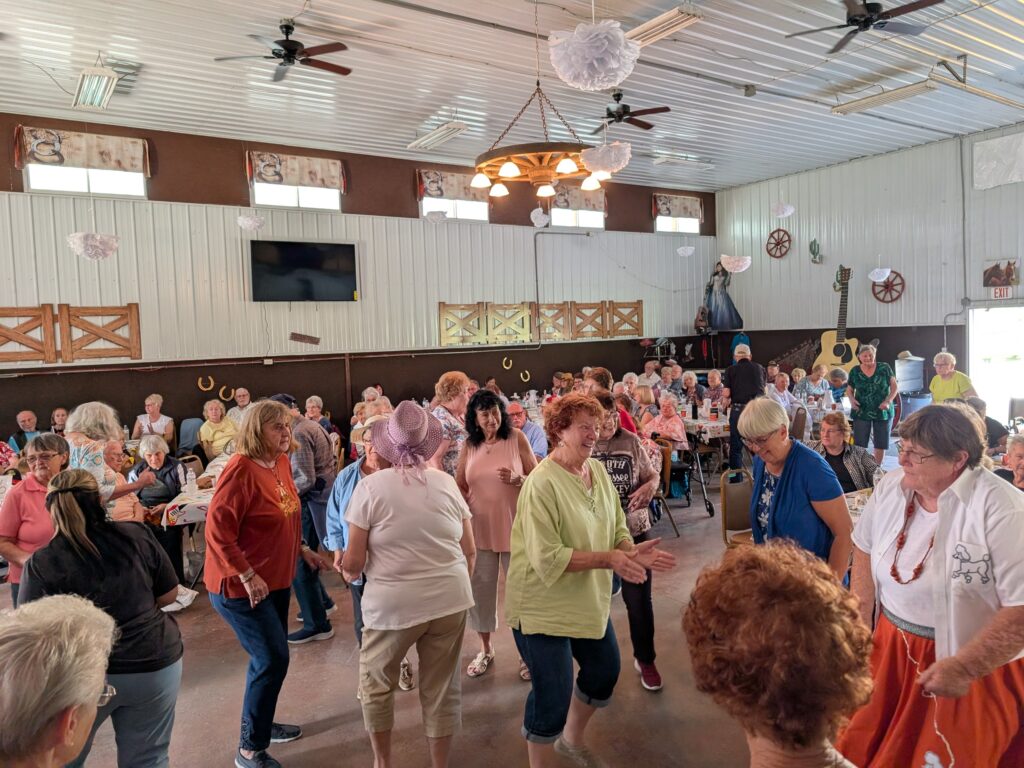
point(591, 183)
point(95, 87)
point(885, 98)
point(480, 181)
point(509, 170)
point(439, 135)
point(689, 162)
point(499, 190)
point(952, 83)
point(545, 190)
point(662, 26)
point(566, 165)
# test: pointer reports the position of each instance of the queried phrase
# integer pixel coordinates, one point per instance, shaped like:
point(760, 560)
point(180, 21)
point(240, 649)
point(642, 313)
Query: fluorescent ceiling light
point(687, 161)
point(951, 82)
point(95, 87)
point(664, 25)
point(885, 98)
point(439, 135)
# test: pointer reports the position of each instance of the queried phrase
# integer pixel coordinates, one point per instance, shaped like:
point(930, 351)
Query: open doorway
point(996, 343)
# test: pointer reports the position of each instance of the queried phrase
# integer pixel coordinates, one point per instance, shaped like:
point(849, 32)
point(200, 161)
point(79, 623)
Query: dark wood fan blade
point(639, 123)
point(279, 72)
point(327, 66)
point(271, 44)
point(900, 28)
point(234, 58)
point(319, 50)
point(815, 31)
point(917, 5)
point(649, 111)
point(601, 127)
point(844, 41)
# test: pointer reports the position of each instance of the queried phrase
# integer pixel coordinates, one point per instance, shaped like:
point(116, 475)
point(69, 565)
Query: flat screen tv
point(290, 271)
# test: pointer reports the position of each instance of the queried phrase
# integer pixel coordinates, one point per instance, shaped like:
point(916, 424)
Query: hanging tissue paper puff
point(736, 264)
point(92, 246)
point(250, 222)
point(611, 158)
point(686, 251)
point(879, 274)
point(593, 57)
point(783, 210)
point(722, 313)
point(539, 218)
point(435, 217)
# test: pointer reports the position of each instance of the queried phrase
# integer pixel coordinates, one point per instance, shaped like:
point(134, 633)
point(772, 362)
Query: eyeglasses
point(913, 456)
point(758, 442)
point(39, 458)
point(108, 693)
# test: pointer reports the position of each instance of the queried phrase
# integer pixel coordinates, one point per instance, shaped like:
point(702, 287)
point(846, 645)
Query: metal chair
point(735, 501)
point(192, 462)
point(661, 496)
point(798, 426)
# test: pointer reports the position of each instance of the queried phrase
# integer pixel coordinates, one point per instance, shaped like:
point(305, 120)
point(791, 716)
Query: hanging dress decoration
point(722, 313)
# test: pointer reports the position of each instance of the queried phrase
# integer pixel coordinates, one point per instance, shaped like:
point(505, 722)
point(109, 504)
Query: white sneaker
point(173, 607)
point(186, 596)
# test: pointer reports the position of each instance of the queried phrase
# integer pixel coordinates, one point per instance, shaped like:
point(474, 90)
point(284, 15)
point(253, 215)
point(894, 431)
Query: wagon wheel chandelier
point(541, 163)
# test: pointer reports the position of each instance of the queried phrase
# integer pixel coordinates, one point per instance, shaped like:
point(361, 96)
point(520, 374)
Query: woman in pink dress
point(494, 461)
point(667, 424)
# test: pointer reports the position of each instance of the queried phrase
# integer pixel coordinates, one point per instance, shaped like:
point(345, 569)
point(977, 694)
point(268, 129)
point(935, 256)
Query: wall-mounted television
point(291, 271)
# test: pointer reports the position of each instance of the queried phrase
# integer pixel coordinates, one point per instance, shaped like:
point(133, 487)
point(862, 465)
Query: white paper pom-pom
point(607, 157)
point(539, 218)
point(783, 210)
point(250, 222)
point(436, 217)
point(94, 247)
point(879, 275)
point(736, 264)
point(593, 57)
point(686, 251)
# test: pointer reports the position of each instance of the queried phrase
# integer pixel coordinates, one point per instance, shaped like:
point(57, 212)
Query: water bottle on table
point(190, 481)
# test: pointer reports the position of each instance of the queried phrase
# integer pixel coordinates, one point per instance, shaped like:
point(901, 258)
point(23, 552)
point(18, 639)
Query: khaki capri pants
point(483, 617)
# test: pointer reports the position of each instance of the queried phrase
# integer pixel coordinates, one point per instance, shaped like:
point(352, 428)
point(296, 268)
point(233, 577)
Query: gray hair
point(944, 357)
point(762, 416)
point(47, 441)
point(626, 377)
point(946, 430)
point(867, 348)
point(208, 403)
point(53, 657)
point(158, 399)
point(95, 420)
point(1013, 441)
point(370, 394)
point(838, 373)
point(153, 444)
point(689, 376)
point(668, 397)
point(317, 401)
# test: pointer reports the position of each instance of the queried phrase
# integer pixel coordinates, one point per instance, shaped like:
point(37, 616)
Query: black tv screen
point(287, 271)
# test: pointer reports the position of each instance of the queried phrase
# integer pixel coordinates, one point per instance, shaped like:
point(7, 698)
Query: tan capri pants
point(438, 643)
point(483, 617)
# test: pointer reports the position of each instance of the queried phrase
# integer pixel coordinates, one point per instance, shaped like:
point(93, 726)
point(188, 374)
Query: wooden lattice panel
point(625, 318)
point(462, 324)
point(32, 339)
point(552, 321)
point(589, 320)
point(509, 323)
point(90, 333)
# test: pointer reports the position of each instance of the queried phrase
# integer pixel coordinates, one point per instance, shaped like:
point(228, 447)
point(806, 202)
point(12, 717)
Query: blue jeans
point(735, 440)
point(263, 633)
point(550, 660)
point(143, 716)
point(309, 591)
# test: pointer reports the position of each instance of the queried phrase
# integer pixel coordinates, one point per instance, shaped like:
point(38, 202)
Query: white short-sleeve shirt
point(158, 427)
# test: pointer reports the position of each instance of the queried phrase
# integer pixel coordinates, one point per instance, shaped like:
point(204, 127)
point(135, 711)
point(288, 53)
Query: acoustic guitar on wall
point(837, 351)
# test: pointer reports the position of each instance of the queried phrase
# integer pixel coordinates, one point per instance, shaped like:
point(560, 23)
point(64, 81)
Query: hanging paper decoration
point(435, 217)
point(593, 57)
point(781, 210)
point(607, 157)
point(686, 251)
point(92, 246)
point(539, 218)
point(250, 222)
point(879, 274)
point(736, 264)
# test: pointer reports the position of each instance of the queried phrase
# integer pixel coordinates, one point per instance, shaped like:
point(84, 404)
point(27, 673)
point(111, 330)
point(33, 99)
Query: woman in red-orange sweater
point(253, 543)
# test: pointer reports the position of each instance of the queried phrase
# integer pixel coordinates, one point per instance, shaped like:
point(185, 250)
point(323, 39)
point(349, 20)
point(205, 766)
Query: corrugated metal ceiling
point(416, 64)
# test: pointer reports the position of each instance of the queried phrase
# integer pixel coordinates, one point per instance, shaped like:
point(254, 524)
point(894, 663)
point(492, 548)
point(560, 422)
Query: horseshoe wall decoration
point(506, 363)
point(227, 398)
point(524, 376)
point(199, 383)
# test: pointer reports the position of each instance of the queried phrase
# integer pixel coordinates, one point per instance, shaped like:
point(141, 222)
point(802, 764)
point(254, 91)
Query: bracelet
point(248, 576)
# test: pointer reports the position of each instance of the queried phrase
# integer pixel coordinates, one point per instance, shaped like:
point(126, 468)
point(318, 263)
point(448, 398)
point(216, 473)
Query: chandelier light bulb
point(590, 183)
point(602, 175)
point(509, 170)
point(566, 165)
point(545, 190)
point(480, 181)
point(499, 190)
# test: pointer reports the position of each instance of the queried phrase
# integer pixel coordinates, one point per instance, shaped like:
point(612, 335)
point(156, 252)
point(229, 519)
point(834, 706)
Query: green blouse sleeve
point(547, 554)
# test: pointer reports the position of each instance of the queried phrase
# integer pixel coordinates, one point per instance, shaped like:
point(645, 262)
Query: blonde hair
point(64, 493)
point(315, 400)
point(762, 416)
point(644, 394)
point(95, 420)
point(208, 404)
point(157, 399)
point(249, 441)
point(798, 373)
point(451, 385)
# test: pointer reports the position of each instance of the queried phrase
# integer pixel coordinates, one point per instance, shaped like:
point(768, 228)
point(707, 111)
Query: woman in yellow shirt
point(948, 382)
point(216, 431)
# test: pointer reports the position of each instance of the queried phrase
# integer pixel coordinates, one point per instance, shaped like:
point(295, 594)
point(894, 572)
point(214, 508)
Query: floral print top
point(454, 431)
point(870, 391)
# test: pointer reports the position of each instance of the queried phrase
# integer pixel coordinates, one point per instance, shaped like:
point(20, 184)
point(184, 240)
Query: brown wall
point(203, 169)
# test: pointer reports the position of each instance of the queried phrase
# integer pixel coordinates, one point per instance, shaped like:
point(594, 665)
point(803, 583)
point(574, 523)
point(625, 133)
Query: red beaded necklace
point(901, 540)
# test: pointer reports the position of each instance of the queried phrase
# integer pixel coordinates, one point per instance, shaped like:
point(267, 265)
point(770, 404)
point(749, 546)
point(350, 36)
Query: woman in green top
point(871, 389)
point(568, 536)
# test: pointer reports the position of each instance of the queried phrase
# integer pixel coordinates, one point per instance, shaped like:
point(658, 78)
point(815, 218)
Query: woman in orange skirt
point(939, 568)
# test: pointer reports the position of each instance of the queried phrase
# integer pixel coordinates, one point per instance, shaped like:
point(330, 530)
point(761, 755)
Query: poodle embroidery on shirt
point(968, 568)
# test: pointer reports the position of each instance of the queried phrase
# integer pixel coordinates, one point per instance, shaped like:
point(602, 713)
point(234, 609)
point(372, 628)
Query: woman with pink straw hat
point(417, 578)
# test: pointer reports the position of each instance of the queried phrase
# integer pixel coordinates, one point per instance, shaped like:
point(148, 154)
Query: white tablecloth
point(706, 429)
point(187, 508)
point(856, 501)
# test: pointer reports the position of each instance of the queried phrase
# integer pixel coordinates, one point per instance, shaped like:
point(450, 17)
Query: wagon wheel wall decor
point(890, 289)
point(778, 243)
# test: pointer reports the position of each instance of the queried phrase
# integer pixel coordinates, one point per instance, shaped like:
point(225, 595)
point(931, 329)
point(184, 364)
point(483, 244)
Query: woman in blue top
point(796, 494)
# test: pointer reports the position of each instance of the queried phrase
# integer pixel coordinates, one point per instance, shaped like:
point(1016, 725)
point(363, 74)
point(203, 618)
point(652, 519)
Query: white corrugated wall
point(187, 266)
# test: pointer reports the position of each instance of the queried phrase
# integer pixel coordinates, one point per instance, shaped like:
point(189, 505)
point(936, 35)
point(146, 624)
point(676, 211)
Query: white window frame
point(572, 216)
point(451, 207)
point(299, 190)
point(89, 181)
point(677, 224)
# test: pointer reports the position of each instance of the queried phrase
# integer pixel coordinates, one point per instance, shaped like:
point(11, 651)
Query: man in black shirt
point(743, 381)
point(995, 432)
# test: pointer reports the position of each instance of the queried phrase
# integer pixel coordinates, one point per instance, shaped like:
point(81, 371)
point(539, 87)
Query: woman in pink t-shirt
point(25, 525)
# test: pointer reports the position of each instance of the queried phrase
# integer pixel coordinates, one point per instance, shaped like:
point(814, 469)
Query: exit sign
point(1002, 292)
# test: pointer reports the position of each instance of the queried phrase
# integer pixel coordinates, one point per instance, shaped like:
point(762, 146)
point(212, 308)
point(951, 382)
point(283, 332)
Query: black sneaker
point(259, 760)
point(281, 733)
point(300, 636)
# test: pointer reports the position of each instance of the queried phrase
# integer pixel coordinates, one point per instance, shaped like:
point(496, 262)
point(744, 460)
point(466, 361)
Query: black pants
point(309, 590)
point(735, 441)
point(170, 539)
point(640, 611)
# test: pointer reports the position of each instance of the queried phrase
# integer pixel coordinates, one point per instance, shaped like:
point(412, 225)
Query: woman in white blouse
point(152, 422)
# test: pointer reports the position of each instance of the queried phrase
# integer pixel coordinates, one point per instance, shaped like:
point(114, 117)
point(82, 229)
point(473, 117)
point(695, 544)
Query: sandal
point(480, 664)
point(524, 671)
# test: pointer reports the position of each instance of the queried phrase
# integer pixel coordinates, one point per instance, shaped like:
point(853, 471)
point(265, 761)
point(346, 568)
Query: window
point(288, 196)
point(60, 178)
point(456, 209)
point(677, 224)
point(569, 217)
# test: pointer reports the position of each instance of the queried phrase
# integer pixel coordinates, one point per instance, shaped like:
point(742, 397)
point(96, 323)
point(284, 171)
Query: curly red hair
point(560, 413)
point(778, 643)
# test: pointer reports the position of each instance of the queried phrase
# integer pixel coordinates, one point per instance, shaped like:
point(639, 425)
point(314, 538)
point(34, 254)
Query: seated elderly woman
point(692, 391)
point(217, 431)
point(796, 376)
point(1013, 462)
point(814, 384)
point(948, 382)
point(715, 390)
point(53, 664)
point(837, 381)
point(127, 507)
point(794, 666)
point(780, 393)
point(854, 467)
point(315, 412)
point(668, 424)
point(153, 422)
point(796, 494)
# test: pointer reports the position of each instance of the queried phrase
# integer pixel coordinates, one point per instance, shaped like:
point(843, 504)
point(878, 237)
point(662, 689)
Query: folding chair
point(192, 462)
point(661, 496)
point(798, 426)
point(735, 502)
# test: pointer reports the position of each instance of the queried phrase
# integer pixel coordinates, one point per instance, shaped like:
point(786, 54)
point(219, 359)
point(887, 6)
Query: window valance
point(296, 170)
point(55, 146)
point(451, 186)
point(677, 206)
point(578, 200)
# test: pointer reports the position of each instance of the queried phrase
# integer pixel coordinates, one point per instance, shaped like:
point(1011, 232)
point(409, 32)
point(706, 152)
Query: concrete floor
point(675, 727)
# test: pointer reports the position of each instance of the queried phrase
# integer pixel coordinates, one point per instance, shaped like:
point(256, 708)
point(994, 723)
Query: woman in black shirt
point(853, 465)
point(120, 567)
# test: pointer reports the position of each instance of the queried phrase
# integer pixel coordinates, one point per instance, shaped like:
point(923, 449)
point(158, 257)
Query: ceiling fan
point(617, 112)
point(864, 16)
point(290, 52)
